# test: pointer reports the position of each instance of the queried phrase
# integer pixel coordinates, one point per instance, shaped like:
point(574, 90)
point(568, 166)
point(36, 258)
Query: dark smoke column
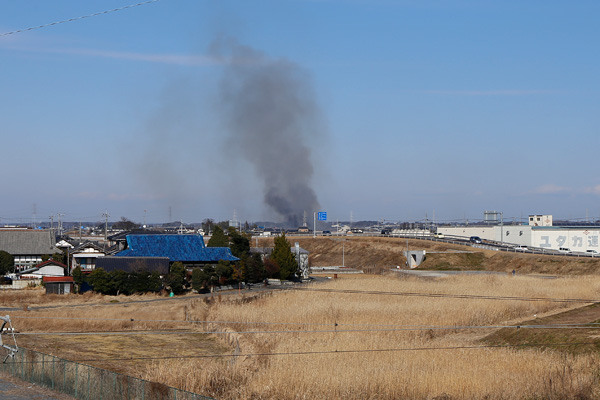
point(271, 115)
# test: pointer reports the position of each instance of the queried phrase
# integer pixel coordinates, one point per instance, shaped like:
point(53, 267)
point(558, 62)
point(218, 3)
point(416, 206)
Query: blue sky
point(444, 108)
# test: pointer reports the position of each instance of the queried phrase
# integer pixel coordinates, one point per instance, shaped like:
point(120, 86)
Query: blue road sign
point(322, 216)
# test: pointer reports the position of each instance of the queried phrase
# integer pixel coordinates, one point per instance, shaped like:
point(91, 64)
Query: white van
point(565, 250)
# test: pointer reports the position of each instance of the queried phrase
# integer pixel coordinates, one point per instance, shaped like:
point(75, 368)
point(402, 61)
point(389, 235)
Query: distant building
point(27, 246)
point(58, 284)
point(538, 233)
point(85, 255)
point(188, 249)
point(298, 252)
point(47, 268)
point(119, 240)
point(540, 220)
point(134, 264)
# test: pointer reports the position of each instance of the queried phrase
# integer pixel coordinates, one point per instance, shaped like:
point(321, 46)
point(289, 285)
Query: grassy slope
point(580, 340)
point(383, 253)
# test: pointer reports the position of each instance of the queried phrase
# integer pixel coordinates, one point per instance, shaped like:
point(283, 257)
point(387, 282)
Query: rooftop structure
point(183, 248)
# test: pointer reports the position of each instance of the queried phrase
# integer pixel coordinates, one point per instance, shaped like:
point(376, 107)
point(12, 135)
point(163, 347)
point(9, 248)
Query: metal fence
point(86, 382)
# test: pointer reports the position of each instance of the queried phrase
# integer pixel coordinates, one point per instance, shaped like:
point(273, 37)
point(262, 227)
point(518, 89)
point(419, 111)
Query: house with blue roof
point(187, 249)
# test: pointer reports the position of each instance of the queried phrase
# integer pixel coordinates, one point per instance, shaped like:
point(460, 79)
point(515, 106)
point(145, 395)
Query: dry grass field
point(152, 327)
point(366, 346)
point(341, 343)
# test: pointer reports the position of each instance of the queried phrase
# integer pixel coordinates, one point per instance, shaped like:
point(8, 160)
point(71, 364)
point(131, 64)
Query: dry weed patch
point(419, 364)
point(129, 316)
point(333, 345)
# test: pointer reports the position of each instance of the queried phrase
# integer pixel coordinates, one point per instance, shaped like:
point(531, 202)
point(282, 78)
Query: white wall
point(510, 234)
point(514, 234)
point(484, 232)
point(552, 238)
point(576, 239)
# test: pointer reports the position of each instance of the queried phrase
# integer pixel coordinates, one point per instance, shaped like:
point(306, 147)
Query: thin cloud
point(87, 195)
point(507, 92)
point(134, 197)
point(592, 189)
point(550, 189)
point(117, 196)
point(173, 59)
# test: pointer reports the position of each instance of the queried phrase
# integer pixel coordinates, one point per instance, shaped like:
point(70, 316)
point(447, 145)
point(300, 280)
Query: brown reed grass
point(490, 373)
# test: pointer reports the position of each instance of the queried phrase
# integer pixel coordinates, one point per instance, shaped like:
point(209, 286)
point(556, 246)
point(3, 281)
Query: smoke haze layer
point(270, 112)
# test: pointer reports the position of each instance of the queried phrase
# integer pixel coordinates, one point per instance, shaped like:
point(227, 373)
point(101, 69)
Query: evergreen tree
point(285, 259)
point(224, 270)
point(59, 257)
point(203, 278)
point(254, 269)
point(207, 225)
point(78, 277)
point(140, 281)
point(239, 243)
point(199, 279)
point(120, 283)
point(176, 278)
point(7, 262)
point(100, 281)
point(154, 282)
point(218, 238)
point(272, 269)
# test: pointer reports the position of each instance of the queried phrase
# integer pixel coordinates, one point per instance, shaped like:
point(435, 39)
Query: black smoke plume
point(271, 115)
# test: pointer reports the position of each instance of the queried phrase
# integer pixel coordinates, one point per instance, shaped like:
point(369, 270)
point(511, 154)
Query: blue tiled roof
point(184, 248)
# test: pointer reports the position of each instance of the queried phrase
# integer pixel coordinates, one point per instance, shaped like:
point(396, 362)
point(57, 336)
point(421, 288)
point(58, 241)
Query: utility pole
point(60, 228)
point(407, 266)
point(502, 227)
point(105, 215)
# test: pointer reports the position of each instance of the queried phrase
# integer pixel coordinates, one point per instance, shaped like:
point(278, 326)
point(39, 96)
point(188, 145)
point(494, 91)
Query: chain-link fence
point(86, 382)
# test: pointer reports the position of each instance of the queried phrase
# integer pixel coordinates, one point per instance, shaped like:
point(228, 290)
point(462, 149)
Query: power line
point(338, 327)
point(298, 331)
point(338, 324)
point(78, 18)
point(448, 295)
point(299, 353)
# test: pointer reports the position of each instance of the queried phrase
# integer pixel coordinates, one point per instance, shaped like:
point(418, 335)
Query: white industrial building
point(538, 233)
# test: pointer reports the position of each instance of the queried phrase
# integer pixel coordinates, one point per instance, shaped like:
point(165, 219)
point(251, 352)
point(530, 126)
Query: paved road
point(14, 389)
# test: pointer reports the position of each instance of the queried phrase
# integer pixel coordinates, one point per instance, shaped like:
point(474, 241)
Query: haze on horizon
point(406, 108)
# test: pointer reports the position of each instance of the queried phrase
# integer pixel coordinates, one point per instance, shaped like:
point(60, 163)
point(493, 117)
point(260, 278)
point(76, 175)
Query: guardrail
point(488, 245)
